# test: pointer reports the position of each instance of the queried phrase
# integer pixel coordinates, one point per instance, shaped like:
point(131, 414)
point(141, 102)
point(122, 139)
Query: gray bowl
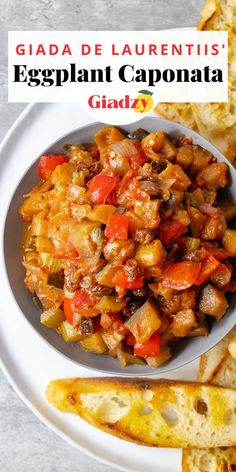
point(188, 349)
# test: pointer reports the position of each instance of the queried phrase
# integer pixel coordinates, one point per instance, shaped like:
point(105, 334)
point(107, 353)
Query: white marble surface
point(25, 443)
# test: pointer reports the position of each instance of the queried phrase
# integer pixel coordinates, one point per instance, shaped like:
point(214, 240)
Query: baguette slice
point(226, 374)
point(209, 460)
point(218, 367)
point(212, 361)
point(151, 412)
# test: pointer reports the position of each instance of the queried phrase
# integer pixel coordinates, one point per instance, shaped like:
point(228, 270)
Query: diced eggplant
point(213, 176)
point(201, 159)
point(101, 213)
point(118, 249)
point(148, 212)
point(185, 156)
point(221, 276)
point(106, 275)
point(56, 279)
point(150, 254)
point(169, 149)
point(228, 209)
point(94, 343)
point(33, 204)
point(160, 290)
point(213, 302)
point(214, 228)
point(107, 135)
point(52, 318)
point(201, 330)
point(138, 134)
point(110, 303)
point(229, 241)
point(183, 322)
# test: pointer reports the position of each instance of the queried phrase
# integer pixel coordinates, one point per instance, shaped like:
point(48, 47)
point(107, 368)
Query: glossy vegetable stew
point(129, 243)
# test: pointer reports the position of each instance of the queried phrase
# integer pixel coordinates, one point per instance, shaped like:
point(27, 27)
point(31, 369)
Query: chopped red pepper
point(170, 230)
point(83, 301)
point(122, 280)
point(66, 253)
point(100, 187)
point(209, 265)
point(48, 163)
point(180, 275)
point(117, 227)
point(218, 252)
point(68, 311)
point(112, 197)
point(151, 348)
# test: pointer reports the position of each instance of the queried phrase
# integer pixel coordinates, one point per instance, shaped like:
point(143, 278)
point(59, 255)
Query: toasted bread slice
point(215, 121)
point(226, 374)
point(218, 367)
point(211, 362)
point(151, 412)
point(209, 460)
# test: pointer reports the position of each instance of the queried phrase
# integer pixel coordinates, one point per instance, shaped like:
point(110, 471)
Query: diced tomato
point(170, 230)
point(130, 340)
point(138, 159)
point(209, 265)
point(135, 192)
point(150, 348)
point(122, 280)
point(117, 227)
point(112, 197)
point(180, 275)
point(100, 187)
point(48, 163)
point(113, 321)
point(84, 299)
point(68, 311)
point(218, 252)
point(130, 174)
point(107, 319)
point(66, 253)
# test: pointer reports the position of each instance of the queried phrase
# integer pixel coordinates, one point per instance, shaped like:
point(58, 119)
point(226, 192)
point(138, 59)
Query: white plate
point(29, 363)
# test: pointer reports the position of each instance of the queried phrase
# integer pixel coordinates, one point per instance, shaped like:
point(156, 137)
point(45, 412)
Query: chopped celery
point(191, 244)
point(69, 333)
point(50, 263)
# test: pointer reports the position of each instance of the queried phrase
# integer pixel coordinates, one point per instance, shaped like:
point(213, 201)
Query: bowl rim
point(179, 127)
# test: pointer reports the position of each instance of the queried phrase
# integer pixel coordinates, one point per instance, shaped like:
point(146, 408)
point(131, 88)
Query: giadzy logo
point(143, 103)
